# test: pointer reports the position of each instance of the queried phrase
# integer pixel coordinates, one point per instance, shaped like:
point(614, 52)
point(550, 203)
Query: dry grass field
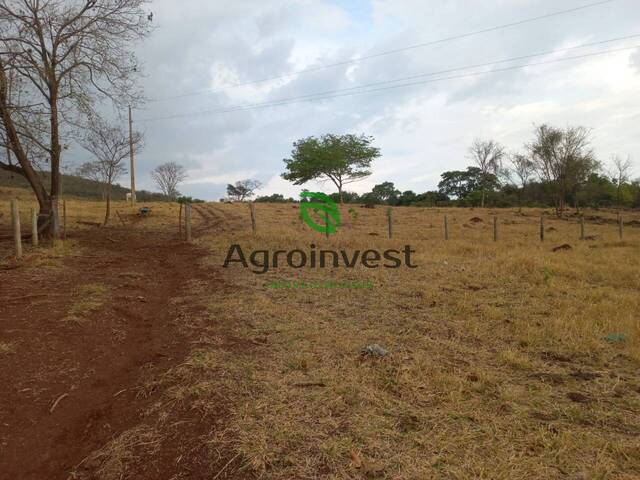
point(164, 217)
point(498, 365)
point(506, 360)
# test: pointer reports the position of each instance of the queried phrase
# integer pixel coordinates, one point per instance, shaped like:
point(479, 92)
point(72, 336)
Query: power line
point(349, 91)
point(486, 64)
point(387, 52)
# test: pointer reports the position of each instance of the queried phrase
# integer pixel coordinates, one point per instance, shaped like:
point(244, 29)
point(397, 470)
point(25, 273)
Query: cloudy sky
point(202, 49)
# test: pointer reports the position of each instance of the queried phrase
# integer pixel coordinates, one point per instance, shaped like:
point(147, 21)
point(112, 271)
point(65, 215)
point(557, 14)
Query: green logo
point(324, 208)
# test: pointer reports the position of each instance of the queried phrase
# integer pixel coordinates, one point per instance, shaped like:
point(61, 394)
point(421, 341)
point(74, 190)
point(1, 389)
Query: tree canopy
point(167, 177)
point(243, 189)
point(385, 192)
point(460, 184)
point(342, 159)
point(564, 159)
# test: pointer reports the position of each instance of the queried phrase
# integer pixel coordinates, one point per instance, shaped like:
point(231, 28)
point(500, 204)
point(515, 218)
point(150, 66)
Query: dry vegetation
point(498, 364)
point(80, 212)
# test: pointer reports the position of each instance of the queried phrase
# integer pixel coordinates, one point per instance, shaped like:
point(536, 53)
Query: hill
point(75, 186)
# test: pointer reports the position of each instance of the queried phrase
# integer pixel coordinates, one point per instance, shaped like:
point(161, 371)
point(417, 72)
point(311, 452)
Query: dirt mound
point(564, 246)
point(476, 220)
point(551, 229)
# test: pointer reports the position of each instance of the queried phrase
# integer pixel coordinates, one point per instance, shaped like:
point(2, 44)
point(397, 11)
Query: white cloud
point(422, 130)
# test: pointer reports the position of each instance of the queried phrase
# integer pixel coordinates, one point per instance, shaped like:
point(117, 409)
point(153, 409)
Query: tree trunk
point(482, 199)
point(340, 194)
point(559, 206)
point(56, 149)
point(107, 214)
point(520, 197)
point(26, 168)
point(619, 195)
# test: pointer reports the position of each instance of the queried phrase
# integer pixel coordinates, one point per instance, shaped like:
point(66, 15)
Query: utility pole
point(133, 166)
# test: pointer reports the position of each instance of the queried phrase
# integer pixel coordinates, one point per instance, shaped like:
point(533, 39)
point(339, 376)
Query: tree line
point(557, 168)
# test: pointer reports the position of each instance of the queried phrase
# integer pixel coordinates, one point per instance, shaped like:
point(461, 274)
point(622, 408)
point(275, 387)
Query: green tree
point(431, 199)
point(348, 197)
point(342, 159)
point(385, 192)
point(406, 198)
point(274, 198)
point(597, 191)
point(459, 184)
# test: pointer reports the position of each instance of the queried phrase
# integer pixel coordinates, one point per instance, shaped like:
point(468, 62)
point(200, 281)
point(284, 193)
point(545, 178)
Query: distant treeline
point(557, 168)
point(75, 186)
point(462, 188)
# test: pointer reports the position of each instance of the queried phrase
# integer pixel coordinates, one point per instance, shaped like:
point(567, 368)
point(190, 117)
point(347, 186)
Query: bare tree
point(487, 155)
point(523, 168)
point(620, 174)
point(564, 159)
point(243, 189)
point(61, 56)
point(167, 177)
point(109, 144)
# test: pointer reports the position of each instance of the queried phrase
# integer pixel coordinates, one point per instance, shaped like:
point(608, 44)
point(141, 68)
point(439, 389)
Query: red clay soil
point(92, 367)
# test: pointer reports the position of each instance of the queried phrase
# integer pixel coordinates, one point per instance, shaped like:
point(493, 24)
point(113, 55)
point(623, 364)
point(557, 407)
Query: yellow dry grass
point(6, 348)
point(164, 216)
point(498, 366)
point(89, 299)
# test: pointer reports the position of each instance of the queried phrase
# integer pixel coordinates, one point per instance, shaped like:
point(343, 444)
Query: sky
point(201, 50)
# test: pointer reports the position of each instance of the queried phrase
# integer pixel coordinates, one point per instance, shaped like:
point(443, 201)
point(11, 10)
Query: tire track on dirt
point(215, 219)
point(69, 386)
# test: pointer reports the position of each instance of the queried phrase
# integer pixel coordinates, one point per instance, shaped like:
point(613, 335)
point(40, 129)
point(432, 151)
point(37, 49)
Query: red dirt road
point(93, 365)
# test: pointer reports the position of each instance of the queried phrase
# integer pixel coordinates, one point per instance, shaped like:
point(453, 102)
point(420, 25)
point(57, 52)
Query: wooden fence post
point(180, 222)
point(326, 223)
point(390, 221)
point(581, 228)
point(15, 222)
point(541, 228)
point(64, 219)
point(34, 227)
point(446, 228)
point(495, 228)
point(620, 225)
point(252, 208)
point(187, 219)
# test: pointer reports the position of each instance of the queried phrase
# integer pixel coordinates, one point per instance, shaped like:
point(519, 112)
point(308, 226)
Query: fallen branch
point(55, 404)
point(34, 295)
point(225, 467)
point(309, 384)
